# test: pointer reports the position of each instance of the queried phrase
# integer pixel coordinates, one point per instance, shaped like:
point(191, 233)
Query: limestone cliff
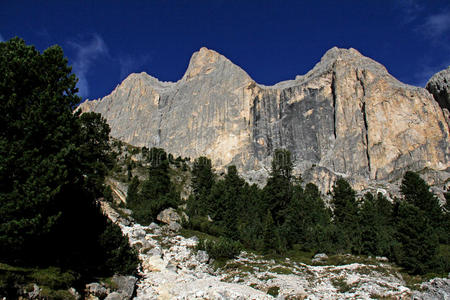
point(439, 86)
point(346, 117)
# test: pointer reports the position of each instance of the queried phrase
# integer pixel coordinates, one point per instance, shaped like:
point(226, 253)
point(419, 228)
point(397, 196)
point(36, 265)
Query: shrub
point(222, 248)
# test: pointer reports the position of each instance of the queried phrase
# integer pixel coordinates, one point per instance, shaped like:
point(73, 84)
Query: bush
point(222, 248)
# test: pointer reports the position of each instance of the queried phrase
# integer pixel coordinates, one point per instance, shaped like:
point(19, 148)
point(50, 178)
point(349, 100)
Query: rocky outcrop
point(171, 268)
point(346, 117)
point(439, 86)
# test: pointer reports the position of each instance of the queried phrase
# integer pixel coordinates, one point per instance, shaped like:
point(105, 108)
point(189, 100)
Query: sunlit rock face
point(346, 117)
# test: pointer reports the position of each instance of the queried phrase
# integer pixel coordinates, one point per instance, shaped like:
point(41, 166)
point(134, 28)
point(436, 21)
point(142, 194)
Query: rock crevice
point(346, 117)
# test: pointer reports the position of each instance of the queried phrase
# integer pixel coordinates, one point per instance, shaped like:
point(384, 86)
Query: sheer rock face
point(346, 117)
point(439, 86)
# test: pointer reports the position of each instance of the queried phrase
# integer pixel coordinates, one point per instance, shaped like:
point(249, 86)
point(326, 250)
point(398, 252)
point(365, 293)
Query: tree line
point(284, 213)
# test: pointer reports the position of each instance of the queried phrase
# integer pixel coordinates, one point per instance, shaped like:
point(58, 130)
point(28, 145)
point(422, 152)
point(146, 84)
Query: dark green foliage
point(157, 191)
point(278, 190)
point(38, 147)
point(202, 176)
point(120, 258)
point(225, 200)
point(202, 182)
point(132, 193)
point(94, 151)
point(376, 225)
point(346, 216)
point(307, 218)
point(417, 192)
point(269, 233)
point(52, 166)
point(107, 194)
point(222, 248)
point(418, 243)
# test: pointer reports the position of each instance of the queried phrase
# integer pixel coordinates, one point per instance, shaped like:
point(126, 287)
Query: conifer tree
point(417, 192)
point(51, 166)
point(418, 242)
point(278, 190)
point(345, 214)
point(202, 182)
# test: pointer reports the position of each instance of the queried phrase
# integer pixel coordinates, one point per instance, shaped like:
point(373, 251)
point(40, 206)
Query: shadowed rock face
point(439, 86)
point(346, 117)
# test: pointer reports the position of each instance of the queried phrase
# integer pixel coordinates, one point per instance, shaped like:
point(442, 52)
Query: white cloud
point(86, 53)
point(129, 64)
point(436, 25)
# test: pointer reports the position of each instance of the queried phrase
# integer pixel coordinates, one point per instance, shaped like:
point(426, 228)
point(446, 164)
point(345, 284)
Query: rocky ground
point(171, 268)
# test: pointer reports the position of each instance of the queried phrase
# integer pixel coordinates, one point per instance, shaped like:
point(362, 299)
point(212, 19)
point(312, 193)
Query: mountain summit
point(346, 117)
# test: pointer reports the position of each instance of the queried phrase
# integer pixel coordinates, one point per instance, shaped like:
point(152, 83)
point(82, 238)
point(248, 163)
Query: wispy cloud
point(1, 38)
point(436, 25)
point(86, 52)
point(129, 64)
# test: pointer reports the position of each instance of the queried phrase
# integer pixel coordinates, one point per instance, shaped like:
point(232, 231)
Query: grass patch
point(341, 285)
point(188, 233)
point(53, 281)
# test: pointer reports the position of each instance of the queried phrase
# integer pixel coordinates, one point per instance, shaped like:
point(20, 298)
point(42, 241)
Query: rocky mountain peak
point(209, 62)
point(346, 117)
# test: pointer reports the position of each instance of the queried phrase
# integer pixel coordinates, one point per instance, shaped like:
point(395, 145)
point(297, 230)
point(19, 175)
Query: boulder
point(319, 257)
point(96, 289)
point(169, 216)
point(125, 285)
point(202, 256)
point(174, 226)
point(116, 296)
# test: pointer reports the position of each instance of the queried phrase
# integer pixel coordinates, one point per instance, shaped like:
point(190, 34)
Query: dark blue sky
point(271, 40)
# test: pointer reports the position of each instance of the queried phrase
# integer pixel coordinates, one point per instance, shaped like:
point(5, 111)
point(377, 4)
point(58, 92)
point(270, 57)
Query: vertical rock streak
point(345, 117)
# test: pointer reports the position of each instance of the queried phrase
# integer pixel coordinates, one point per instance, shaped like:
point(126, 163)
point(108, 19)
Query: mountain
point(439, 86)
point(346, 117)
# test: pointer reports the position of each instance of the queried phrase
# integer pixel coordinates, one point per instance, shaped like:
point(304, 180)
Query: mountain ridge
point(345, 117)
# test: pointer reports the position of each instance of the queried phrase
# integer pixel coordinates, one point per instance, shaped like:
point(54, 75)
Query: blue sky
point(271, 40)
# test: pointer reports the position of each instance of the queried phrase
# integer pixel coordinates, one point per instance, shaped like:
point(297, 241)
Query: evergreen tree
point(202, 182)
point(95, 151)
point(307, 217)
point(345, 214)
point(51, 165)
point(418, 242)
point(269, 233)
point(38, 143)
point(133, 190)
point(157, 191)
point(278, 190)
point(225, 200)
point(375, 219)
point(417, 192)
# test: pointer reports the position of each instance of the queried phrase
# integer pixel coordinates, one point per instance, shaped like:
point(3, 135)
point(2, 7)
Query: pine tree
point(202, 182)
point(418, 242)
point(375, 219)
point(345, 214)
point(278, 190)
point(417, 192)
point(52, 165)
